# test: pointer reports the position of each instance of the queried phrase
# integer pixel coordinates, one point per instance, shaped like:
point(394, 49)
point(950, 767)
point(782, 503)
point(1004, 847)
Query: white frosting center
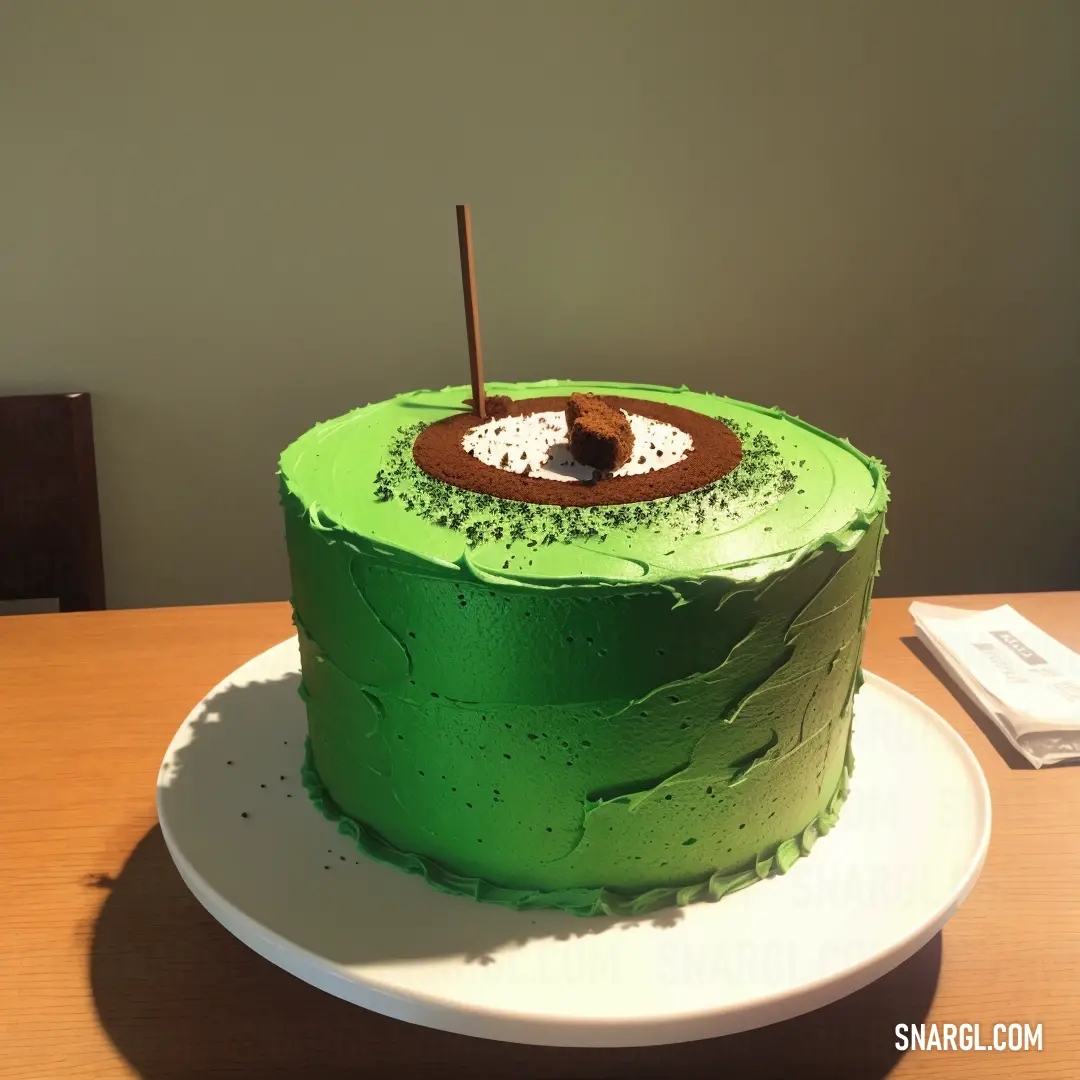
point(537, 443)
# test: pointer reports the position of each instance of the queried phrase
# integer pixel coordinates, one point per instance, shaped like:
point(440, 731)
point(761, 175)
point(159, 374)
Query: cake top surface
point(795, 489)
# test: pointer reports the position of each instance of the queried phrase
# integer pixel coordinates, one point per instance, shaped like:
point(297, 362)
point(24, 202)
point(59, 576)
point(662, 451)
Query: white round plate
point(259, 857)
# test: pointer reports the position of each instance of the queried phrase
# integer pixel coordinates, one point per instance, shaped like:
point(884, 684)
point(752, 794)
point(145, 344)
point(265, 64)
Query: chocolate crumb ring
point(717, 451)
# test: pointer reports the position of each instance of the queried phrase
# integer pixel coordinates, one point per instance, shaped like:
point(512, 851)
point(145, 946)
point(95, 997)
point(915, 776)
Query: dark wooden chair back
point(50, 530)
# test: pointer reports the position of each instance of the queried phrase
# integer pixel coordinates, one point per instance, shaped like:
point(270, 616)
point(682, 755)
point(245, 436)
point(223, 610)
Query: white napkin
point(1026, 682)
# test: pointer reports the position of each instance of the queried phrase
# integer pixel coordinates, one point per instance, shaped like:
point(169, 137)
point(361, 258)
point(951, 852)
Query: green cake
point(548, 685)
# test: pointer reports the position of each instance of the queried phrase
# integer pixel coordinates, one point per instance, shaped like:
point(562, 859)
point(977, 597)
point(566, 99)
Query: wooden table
point(109, 968)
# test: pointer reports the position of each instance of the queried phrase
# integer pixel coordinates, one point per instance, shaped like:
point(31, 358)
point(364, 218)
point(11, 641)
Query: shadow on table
point(180, 997)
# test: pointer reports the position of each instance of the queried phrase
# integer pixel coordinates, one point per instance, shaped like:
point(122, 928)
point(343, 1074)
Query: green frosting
point(580, 901)
point(600, 709)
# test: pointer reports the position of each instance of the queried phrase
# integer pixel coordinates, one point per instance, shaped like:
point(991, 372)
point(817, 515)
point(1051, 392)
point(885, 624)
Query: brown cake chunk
point(599, 434)
point(497, 406)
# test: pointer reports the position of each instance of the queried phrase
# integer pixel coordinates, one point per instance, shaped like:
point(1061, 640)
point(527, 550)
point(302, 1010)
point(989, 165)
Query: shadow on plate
point(180, 997)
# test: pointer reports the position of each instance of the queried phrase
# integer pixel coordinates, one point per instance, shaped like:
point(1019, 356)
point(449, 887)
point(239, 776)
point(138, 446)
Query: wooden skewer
point(472, 313)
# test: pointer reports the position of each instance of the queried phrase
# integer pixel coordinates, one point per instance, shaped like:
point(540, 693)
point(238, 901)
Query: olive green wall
point(228, 220)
